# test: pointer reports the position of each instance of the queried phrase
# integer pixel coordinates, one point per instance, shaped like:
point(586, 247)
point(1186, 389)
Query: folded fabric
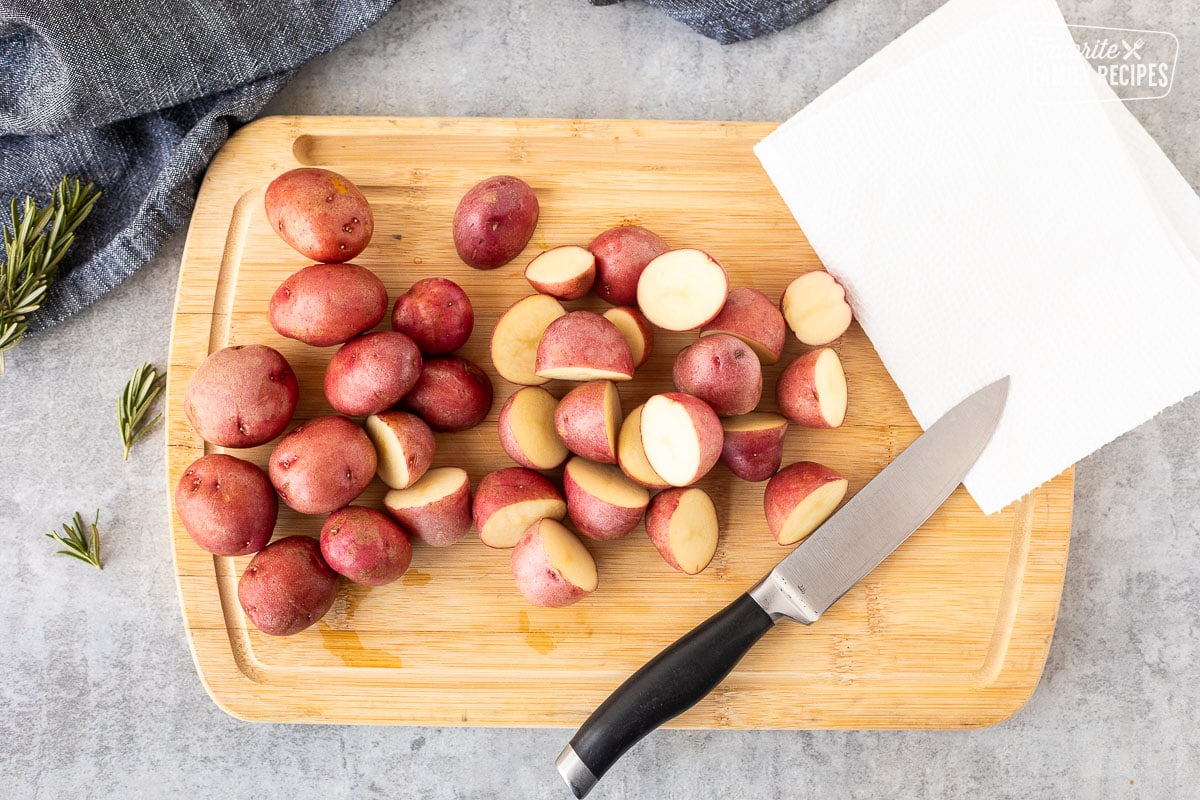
point(730, 21)
point(992, 210)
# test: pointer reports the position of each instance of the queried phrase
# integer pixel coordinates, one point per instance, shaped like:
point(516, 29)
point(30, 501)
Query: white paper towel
point(993, 210)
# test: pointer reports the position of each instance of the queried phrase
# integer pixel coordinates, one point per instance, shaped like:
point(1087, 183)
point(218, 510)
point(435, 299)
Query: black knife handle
point(669, 684)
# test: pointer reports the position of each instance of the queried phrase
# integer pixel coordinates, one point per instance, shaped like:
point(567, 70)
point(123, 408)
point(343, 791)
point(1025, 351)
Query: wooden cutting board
point(951, 631)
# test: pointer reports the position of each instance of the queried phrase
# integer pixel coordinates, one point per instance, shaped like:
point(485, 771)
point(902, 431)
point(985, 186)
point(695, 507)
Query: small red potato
point(322, 465)
point(509, 500)
point(601, 502)
point(319, 213)
point(227, 505)
point(636, 330)
point(682, 290)
point(452, 394)
point(328, 304)
point(526, 428)
point(436, 314)
point(552, 568)
point(683, 526)
point(722, 371)
point(816, 308)
point(564, 272)
point(587, 420)
point(753, 448)
point(404, 447)
point(287, 586)
point(799, 498)
point(681, 436)
point(494, 221)
point(751, 316)
point(583, 346)
point(241, 396)
point(372, 373)
point(436, 510)
point(365, 546)
point(621, 255)
point(516, 337)
point(812, 390)
point(631, 456)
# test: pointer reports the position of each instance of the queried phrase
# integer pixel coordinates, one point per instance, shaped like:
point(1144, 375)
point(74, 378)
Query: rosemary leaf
point(139, 394)
point(76, 541)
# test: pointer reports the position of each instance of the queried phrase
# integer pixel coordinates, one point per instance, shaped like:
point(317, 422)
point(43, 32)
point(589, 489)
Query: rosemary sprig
point(136, 399)
point(77, 543)
point(35, 241)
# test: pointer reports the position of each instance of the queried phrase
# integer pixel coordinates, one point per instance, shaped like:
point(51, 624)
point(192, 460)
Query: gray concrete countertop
point(98, 694)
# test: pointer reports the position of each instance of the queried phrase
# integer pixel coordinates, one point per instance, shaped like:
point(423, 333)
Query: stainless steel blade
point(884, 513)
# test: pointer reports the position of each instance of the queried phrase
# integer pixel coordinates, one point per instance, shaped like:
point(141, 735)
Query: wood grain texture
point(951, 631)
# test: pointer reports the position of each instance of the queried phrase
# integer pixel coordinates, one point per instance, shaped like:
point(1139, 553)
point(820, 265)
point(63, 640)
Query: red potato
point(812, 390)
point(587, 420)
point(241, 396)
point(322, 465)
point(319, 213)
point(404, 447)
point(452, 394)
point(799, 498)
point(436, 510)
point(622, 254)
point(631, 456)
point(371, 373)
point(583, 346)
point(509, 500)
point(526, 428)
point(227, 505)
point(516, 337)
point(365, 546)
point(328, 304)
point(683, 526)
point(751, 316)
point(722, 371)
point(564, 272)
point(636, 330)
point(552, 568)
point(601, 502)
point(681, 436)
point(753, 448)
point(494, 221)
point(816, 308)
point(436, 314)
point(287, 586)
point(682, 290)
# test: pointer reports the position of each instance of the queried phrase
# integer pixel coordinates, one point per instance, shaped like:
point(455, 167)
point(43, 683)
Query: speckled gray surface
point(98, 695)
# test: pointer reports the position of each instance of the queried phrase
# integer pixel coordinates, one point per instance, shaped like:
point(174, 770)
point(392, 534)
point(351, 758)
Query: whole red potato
point(621, 255)
point(452, 394)
point(287, 586)
point(371, 373)
point(228, 506)
point(365, 546)
point(436, 314)
point(241, 396)
point(494, 221)
point(319, 213)
point(322, 465)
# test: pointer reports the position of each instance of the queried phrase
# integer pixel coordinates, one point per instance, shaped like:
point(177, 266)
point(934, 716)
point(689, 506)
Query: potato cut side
point(754, 421)
point(531, 418)
point(670, 440)
point(568, 555)
point(682, 289)
point(398, 462)
point(810, 512)
point(815, 308)
point(505, 527)
point(632, 457)
point(635, 329)
point(607, 483)
point(565, 272)
point(582, 374)
point(830, 380)
point(516, 337)
point(694, 531)
point(433, 486)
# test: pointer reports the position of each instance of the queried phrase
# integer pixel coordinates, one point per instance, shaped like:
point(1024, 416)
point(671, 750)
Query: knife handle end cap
point(577, 775)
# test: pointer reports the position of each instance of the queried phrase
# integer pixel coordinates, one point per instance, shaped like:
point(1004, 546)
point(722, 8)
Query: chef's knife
point(802, 586)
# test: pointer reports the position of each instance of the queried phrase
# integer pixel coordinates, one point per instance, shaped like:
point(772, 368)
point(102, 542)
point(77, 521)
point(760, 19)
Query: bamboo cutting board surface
point(951, 631)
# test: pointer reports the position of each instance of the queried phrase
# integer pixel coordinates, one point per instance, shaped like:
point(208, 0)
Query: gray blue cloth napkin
point(137, 95)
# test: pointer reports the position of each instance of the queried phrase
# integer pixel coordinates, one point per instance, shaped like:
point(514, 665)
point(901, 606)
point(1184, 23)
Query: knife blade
point(810, 579)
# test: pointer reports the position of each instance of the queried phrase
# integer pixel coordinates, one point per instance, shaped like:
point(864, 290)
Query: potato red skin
point(319, 213)
point(328, 304)
point(241, 396)
point(494, 221)
point(621, 255)
point(287, 587)
point(365, 546)
point(227, 505)
point(721, 370)
point(436, 314)
point(452, 394)
point(372, 373)
point(322, 465)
